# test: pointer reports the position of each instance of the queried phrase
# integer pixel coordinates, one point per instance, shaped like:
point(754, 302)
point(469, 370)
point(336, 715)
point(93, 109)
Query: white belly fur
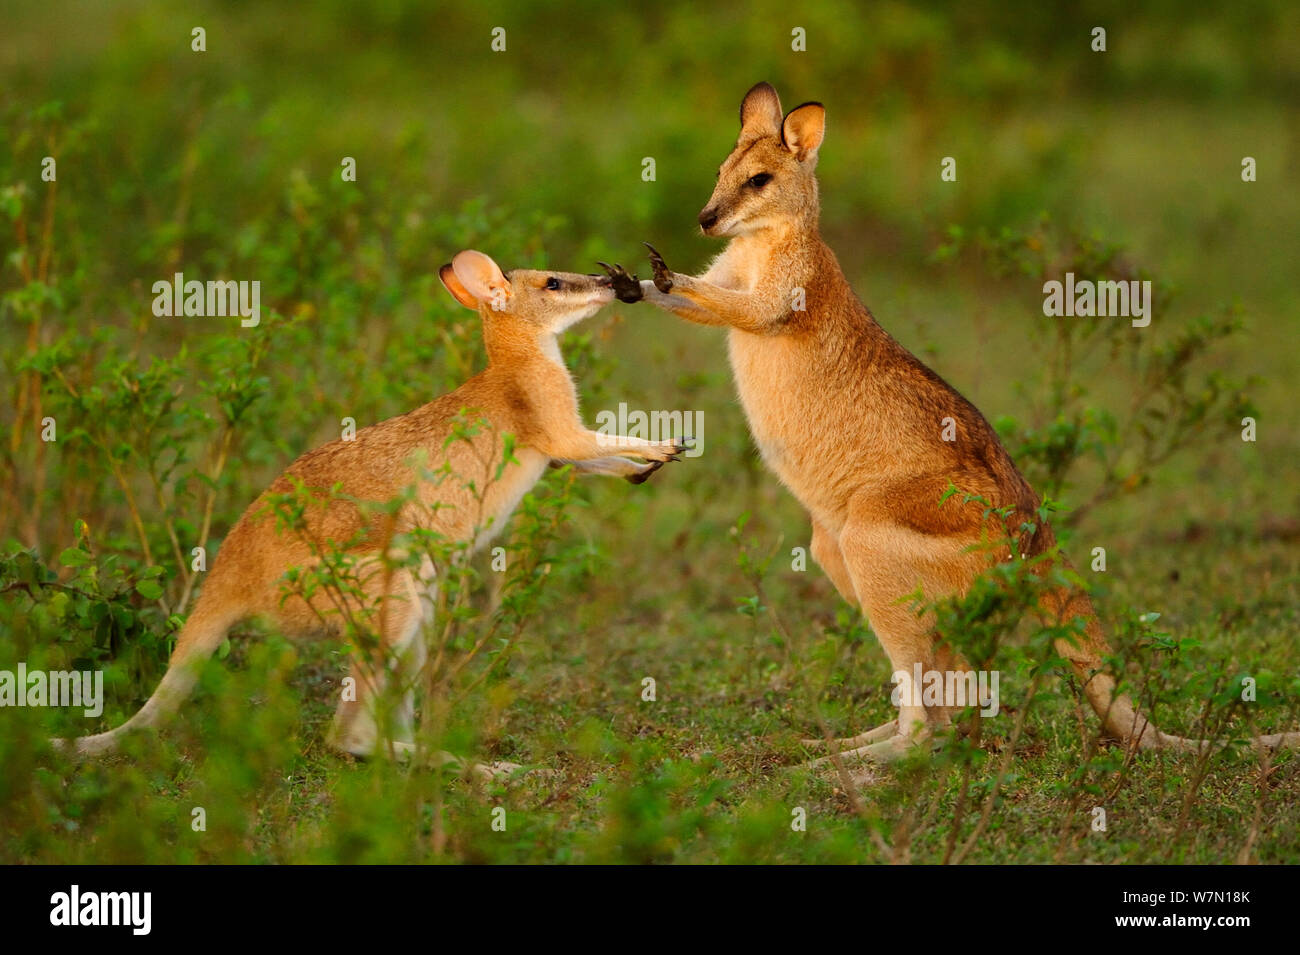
point(504, 496)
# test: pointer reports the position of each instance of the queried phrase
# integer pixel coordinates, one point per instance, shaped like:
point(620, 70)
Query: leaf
point(74, 557)
point(149, 589)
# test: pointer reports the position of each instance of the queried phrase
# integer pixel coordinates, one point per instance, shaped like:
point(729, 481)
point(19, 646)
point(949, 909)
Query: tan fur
point(851, 422)
point(525, 391)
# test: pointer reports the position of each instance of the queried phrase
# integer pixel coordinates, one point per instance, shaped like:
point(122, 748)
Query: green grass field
point(226, 163)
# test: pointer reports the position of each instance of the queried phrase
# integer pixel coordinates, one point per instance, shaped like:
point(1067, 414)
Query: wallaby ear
point(803, 130)
point(458, 291)
point(479, 277)
point(760, 112)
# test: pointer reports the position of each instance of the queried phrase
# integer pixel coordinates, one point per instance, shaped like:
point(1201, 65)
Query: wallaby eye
point(759, 181)
point(553, 284)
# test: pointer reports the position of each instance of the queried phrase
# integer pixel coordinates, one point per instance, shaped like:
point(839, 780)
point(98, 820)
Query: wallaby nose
point(708, 219)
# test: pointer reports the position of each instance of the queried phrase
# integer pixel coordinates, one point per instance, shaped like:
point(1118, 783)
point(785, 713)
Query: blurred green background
point(226, 163)
point(200, 152)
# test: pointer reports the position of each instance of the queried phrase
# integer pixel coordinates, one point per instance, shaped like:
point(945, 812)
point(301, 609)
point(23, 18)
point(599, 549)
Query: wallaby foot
point(663, 276)
point(889, 750)
point(501, 770)
point(491, 772)
point(884, 731)
point(403, 751)
point(885, 744)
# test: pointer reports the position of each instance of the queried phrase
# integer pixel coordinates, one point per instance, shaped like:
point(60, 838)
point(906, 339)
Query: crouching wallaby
point(525, 391)
point(853, 424)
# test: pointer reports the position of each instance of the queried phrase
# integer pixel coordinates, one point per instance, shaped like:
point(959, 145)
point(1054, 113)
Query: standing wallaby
point(852, 423)
point(525, 391)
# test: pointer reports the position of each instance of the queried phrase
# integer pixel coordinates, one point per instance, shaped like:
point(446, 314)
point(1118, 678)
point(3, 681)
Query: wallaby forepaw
point(663, 277)
point(627, 288)
point(671, 451)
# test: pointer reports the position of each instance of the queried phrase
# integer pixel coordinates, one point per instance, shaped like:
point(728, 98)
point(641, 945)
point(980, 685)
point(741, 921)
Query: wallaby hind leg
point(937, 565)
point(826, 552)
point(394, 669)
point(355, 728)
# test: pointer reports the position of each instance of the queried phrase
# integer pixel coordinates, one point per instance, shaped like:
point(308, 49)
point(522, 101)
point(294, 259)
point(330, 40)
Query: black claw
point(663, 276)
point(627, 288)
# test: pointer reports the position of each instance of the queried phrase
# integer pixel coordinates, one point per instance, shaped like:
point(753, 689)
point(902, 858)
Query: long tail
point(1118, 715)
point(199, 639)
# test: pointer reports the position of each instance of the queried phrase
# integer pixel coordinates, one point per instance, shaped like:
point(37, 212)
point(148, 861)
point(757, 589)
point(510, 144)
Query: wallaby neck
point(510, 343)
point(788, 254)
point(793, 236)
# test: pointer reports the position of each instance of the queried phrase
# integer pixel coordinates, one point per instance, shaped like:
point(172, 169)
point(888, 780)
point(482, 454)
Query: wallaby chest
point(789, 416)
point(817, 412)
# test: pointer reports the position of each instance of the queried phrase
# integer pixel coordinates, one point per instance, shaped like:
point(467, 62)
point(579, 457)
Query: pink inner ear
point(456, 287)
point(478, 273)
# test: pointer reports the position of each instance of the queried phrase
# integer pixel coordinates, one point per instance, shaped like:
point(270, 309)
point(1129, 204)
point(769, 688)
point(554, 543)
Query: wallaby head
point(768, 181)
point(545, 302)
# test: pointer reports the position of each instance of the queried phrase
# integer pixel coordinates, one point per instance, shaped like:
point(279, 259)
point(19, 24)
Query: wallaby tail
point(1118, 715)
point(199, 639)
